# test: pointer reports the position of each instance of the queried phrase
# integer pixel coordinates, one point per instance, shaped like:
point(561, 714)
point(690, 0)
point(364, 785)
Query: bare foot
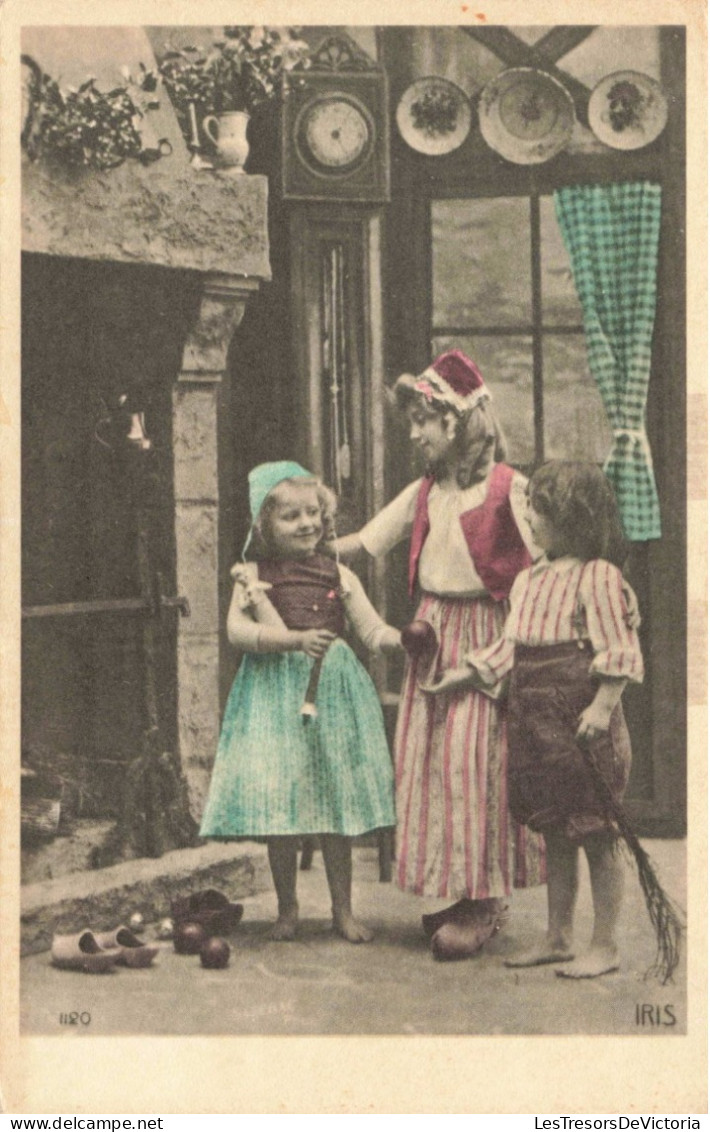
point(285, 927)
point(596, 961)
point(350, 929)
point(549, 951)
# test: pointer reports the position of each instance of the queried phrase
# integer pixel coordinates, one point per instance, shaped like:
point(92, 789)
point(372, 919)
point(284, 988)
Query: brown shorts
point(550, 783)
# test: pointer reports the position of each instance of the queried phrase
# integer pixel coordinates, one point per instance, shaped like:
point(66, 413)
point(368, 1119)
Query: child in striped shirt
point(570, 645)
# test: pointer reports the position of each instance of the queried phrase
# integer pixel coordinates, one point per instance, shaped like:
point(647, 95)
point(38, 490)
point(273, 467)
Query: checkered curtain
point(611, 234)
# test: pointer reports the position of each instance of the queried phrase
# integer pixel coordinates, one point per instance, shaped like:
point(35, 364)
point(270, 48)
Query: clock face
point(334, 135)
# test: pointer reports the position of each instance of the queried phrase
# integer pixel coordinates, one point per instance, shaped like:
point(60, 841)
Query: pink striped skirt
point(455, 835)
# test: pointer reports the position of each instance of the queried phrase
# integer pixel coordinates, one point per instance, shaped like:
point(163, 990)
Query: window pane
point(506, 365)
point(576, 427)
point(481, 262)
point(560, 305)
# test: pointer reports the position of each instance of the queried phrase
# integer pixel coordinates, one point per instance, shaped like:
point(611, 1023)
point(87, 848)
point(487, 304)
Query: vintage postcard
point(353, 447)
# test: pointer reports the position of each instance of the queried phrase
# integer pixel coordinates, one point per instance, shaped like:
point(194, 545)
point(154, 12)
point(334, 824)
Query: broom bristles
point(662, 912)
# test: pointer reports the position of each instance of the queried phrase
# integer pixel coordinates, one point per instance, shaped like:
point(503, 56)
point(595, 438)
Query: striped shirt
point(569, 600)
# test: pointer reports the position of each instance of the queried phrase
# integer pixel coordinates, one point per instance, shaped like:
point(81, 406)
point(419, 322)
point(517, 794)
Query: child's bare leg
point(606, 871)
point(561, 896)
point(337, 856)
point(283, 859)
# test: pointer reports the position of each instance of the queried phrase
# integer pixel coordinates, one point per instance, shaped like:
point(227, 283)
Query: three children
point(474, 805)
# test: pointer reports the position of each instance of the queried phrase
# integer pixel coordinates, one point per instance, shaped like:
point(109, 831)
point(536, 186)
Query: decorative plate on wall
point(627, 110)
point(526, 115)
point(434, 116)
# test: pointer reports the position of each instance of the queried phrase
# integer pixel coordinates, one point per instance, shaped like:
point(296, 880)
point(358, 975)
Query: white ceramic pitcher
point(229, 134)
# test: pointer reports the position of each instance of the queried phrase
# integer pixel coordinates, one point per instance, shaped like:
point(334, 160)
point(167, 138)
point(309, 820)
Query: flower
point(236, 73)
point(83, 125)
point(425, 388)
point(436, 112)
point(256, 36)
point(188, 79)
point(265, 52)
point(626, 104)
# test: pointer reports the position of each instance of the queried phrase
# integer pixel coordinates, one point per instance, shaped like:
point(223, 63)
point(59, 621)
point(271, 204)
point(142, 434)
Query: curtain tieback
point(638, 435)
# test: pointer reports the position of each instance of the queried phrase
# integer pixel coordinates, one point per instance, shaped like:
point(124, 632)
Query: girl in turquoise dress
point(302, 748)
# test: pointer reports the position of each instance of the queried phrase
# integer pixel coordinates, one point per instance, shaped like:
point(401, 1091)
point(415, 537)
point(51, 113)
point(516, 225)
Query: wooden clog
point(210, 908)
point(83, 952)
point(460, 939)
point(132, 952)
point(462, 911)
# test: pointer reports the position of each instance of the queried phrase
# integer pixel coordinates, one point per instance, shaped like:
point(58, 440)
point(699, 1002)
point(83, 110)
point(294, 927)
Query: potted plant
point(87, 127)
point(222, 85)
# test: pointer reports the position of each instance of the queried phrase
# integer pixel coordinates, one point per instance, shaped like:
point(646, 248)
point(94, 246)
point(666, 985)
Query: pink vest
point(492, 536)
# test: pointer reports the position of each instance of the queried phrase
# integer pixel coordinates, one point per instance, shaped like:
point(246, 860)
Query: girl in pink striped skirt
point(468, 541)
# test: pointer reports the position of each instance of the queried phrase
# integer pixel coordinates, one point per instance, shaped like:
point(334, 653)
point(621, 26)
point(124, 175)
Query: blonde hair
point(261, 544)
point(472, 427)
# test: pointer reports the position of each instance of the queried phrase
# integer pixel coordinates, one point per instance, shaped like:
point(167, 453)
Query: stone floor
point(322, 985)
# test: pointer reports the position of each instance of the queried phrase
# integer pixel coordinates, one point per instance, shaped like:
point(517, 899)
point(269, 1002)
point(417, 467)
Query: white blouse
point(568, 600)
point(445, 565)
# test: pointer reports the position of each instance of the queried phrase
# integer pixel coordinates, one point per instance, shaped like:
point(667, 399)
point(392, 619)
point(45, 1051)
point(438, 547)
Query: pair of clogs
point(98, 952)
point(209, 908)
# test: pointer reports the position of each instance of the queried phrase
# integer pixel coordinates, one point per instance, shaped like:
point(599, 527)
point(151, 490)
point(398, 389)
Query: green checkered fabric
point(611, 234)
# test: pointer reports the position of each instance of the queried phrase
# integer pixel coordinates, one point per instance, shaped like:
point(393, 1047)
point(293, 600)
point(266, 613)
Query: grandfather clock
point(334, 180)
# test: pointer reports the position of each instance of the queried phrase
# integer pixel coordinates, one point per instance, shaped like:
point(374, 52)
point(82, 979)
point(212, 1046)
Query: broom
point(662, 912)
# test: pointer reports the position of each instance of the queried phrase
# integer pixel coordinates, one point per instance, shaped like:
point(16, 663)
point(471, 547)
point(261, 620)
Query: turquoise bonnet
point(263, 479)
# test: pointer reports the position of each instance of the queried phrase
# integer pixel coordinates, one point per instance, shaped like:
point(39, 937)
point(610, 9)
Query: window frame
point(536, 330)
point(657, 711)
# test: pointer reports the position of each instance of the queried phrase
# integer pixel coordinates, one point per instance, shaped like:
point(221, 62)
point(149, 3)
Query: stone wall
point(177, 217)
point(213, 226)
point(196, 399)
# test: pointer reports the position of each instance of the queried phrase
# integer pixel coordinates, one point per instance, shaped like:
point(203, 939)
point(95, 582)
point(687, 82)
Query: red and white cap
point(454, 379)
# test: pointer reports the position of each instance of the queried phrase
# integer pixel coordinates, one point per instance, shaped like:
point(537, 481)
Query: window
point(502, 291)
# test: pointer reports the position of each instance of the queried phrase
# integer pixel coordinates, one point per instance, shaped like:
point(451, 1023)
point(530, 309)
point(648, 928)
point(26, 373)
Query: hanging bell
point(136, 434)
